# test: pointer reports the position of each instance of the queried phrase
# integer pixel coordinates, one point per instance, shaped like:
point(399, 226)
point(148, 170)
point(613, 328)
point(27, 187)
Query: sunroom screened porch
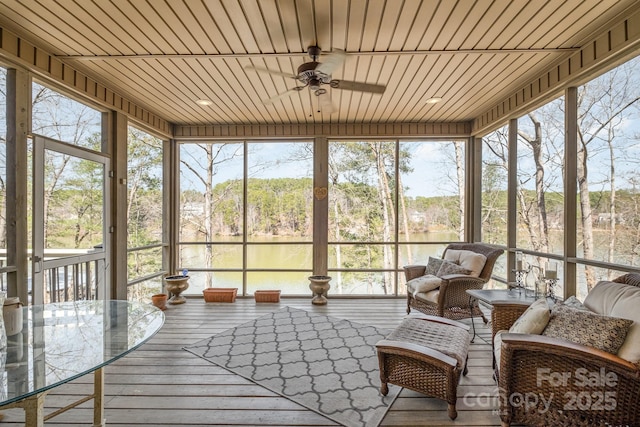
point(542, 57)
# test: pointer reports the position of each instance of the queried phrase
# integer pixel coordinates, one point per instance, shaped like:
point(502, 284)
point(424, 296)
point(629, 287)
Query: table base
point(34, 405)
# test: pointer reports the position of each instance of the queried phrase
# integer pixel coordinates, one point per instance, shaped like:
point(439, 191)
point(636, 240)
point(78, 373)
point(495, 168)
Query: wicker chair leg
point(451, 409)
point(384, 389)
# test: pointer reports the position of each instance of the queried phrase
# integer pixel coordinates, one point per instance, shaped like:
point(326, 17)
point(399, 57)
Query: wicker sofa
point(450, 299)
point(547, 380)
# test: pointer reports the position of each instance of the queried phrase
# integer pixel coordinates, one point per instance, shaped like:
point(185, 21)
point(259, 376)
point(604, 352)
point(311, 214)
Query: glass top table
point(63, 341)
point(492, 296)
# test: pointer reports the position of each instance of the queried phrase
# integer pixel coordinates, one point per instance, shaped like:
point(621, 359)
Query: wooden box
point(267, 295)
point(220, 294)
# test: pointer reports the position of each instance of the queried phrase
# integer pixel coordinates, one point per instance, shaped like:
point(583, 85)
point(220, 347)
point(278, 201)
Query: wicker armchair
point(570, 384)
point(450, 300)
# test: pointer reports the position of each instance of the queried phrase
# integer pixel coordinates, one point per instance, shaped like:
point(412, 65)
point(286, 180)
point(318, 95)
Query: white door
point(70, 222)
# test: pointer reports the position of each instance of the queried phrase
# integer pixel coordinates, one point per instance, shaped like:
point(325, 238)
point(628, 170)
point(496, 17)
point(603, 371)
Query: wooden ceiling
point(167, 54)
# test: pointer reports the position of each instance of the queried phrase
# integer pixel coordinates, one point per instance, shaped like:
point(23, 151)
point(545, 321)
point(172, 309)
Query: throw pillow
point(433, 266)
point(452, 255)
point(472, 261)
point(448, 268)
point(423, 284)
point(587, 328)
point(574, 302)
point(533, 320)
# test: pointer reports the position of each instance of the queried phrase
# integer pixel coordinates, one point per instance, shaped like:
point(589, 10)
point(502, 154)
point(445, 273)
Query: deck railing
point(69, 275)
point(72, 282)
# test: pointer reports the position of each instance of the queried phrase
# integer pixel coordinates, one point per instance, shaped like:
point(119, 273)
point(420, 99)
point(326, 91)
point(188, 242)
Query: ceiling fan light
point(204, 102)
point(433, 100)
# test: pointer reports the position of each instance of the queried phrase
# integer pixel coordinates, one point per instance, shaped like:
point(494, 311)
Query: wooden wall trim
point(371, 130)
point(612, 45)
point(20, 52)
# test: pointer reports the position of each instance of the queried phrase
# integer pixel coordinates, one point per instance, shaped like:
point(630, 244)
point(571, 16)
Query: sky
point(272, 160)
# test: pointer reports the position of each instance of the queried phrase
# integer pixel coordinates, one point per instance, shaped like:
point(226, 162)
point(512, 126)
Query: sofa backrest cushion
point(472, 261)
point(604, 296)
point(587, 328)
point(619, 300)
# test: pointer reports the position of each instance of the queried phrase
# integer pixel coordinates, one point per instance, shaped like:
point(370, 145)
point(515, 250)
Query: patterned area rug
point(325, 364)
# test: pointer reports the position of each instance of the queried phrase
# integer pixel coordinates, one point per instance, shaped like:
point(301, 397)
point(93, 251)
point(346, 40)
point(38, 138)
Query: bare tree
point(603, 104)
point(538, 227)
point(202, 160)
point(458, 147)
point(60, 118)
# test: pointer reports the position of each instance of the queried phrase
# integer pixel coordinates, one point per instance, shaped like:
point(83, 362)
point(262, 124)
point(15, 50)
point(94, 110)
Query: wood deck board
point(161, 384)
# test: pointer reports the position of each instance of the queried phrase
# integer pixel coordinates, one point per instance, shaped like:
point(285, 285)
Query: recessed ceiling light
point(203, 102)
point(433, 100)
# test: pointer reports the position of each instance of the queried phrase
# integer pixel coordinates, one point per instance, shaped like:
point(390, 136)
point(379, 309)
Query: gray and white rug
point(325, 364)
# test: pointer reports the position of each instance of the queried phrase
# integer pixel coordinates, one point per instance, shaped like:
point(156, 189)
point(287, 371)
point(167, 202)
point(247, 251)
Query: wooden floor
point(162, 385)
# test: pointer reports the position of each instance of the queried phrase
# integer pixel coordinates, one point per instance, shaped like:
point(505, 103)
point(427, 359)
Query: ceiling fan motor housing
point(308, 75)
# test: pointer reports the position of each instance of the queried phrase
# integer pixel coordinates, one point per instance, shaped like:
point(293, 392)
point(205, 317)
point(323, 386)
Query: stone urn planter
point(175, 285)
point(319, 286)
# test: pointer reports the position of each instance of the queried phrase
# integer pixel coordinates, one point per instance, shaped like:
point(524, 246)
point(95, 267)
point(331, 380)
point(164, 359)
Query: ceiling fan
point(316, 74)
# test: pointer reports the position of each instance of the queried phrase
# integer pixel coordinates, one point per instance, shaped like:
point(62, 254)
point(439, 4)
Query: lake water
point(269, 253)
point(280, 253)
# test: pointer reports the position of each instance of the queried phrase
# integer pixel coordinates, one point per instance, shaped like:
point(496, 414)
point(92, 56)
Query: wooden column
point(170, 204)
point(320, 205)
point(512, 198)
point(116, 128)
point(473, 191)
point(570, 189)
point(18, 126)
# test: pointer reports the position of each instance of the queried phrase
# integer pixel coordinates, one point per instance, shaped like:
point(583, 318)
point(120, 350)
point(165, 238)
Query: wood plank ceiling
point(167, 54)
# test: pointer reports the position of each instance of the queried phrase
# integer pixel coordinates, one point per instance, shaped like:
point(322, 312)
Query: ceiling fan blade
point(332, 62)
point(357, 86)
point(266, 70)
point(325, 104)
point(280, 96)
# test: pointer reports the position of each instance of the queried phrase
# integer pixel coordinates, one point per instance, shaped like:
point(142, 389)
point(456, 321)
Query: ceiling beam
point(296, 54)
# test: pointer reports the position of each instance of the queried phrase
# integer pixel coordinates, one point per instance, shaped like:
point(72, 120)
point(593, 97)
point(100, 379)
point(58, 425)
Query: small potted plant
point(160, 301)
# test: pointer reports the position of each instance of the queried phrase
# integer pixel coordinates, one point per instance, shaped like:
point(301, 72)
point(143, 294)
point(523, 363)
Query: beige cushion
point(431, 296)
point(423, 284)
point(604, 296)
point(630, 349)
point(447, 268)
point(472, 261)
point(533, 320)
point(627, 308)
point(587, 328)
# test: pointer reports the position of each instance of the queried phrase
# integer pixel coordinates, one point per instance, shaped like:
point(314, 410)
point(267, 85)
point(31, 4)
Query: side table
point(506, 306)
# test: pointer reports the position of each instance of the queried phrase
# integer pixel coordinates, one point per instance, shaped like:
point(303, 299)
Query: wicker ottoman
point(426, 354)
